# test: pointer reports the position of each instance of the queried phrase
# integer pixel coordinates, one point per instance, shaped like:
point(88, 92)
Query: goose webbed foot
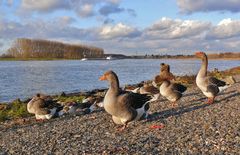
point(40, 120)
point(174, 104)
point(122, 128)
point(210, 100)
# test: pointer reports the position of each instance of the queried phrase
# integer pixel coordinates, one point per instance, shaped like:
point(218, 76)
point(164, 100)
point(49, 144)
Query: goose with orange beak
point(210, 86)
point(124, 106)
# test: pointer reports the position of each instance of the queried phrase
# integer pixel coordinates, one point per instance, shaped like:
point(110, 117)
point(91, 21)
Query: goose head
point(200, 54)
point(164, 68)
point(108, 75)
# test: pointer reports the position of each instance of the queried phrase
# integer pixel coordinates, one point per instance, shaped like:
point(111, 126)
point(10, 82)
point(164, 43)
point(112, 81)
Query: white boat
point(110, 58)
point(84, 59)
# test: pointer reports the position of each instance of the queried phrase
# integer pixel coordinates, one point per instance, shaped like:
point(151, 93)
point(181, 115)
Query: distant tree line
point(180, 56)
point(29, 48)
point(224, 55)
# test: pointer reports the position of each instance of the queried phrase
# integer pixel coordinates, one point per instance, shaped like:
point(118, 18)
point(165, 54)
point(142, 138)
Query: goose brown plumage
point(210, 86)
point(146, 88)
point(164, 70)
point(172, 91)
point(38, 106)
point(124, 106)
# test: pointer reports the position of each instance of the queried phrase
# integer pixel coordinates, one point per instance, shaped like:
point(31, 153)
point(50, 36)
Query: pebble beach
point(191, 128)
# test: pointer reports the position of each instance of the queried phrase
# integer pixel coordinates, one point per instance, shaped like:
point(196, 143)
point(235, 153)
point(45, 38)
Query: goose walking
point(124, 106)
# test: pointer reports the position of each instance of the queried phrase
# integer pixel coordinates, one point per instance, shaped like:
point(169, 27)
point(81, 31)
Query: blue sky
point(126, 26)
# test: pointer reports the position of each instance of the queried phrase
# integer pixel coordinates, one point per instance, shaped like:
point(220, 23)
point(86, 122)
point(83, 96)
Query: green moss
point(16, 109)
point(3, 116)
point(77, 99)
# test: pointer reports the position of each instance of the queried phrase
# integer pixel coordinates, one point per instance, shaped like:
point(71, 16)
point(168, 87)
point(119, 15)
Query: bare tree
point(29, 48)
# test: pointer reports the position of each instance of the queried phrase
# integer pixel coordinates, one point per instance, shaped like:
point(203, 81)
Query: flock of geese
point(131, 105)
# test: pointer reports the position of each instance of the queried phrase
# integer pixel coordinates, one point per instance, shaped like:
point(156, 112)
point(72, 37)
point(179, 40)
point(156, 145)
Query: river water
point(22, 79)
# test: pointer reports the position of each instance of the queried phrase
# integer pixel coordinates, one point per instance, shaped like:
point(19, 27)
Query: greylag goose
point(146, 89)
point(210, 86)
point(38, 106)
point(124, 106)
point(77, 109)
point(164, 70)
point(172, 91)
point(150, 90)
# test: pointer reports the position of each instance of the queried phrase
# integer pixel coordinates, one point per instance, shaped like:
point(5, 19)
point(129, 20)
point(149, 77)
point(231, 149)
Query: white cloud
point(82, 8)
point(168, 28)
point(43, 29)
point(164, 35)
point(191, 6)
point(118, 31)
point(86, 10)
point(44, 5)
point(227, 28)
point(65, 20)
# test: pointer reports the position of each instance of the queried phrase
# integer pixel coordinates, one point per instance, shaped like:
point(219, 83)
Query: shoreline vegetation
point(221, 56)
point(16, 109)
point(24, 49)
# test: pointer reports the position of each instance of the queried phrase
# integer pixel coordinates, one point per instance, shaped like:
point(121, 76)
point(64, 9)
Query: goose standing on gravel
point(164, 70)
point(38, 106)
point(172, 91)
point(210, 86)
point(124, 106)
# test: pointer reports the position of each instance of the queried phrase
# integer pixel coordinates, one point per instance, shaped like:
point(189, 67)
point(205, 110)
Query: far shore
point(92, 59)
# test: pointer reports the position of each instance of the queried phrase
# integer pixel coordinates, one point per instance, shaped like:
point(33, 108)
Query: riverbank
point(193, 127)
point(53, 59)
point(17, 109)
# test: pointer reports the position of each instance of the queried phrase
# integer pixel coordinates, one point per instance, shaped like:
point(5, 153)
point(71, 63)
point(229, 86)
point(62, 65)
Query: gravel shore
point(193, 127)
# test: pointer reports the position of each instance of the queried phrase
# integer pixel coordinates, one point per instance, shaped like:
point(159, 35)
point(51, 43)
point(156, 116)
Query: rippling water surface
point(22, 79)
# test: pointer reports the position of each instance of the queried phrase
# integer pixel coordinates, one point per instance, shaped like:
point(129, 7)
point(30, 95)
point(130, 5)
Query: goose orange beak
point(198, 53)
point(102, 78)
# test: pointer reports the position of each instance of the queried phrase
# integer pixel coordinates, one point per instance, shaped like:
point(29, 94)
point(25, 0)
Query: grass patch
point(16, 109)
point(77, 99)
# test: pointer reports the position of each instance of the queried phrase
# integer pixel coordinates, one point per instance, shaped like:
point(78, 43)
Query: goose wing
point(178, 87)
point(158, 79)
point(215, 81)
point(150, 89)
point(42, 111)
point(213, 89)
point(133, 100)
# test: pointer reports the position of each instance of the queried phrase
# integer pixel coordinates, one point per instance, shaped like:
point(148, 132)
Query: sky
point(126, 26)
